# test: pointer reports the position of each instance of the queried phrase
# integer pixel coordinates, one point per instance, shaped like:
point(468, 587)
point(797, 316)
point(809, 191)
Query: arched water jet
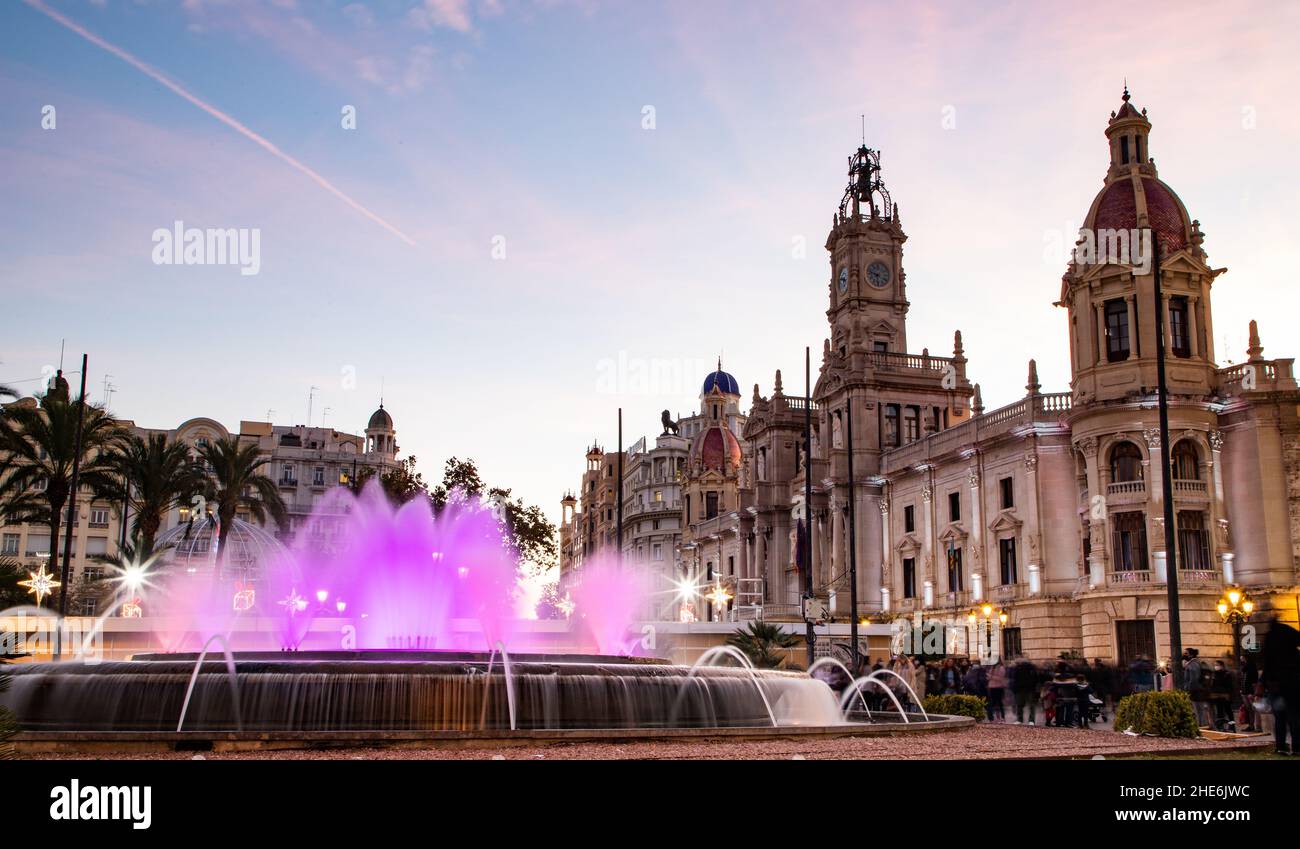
point(910, 691)
point(230, 676)
point(856, 687)
point(705, 660)
point(832, 661)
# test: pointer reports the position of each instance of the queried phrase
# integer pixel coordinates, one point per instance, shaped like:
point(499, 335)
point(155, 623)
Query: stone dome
point(1116, 208)
point(380, 420)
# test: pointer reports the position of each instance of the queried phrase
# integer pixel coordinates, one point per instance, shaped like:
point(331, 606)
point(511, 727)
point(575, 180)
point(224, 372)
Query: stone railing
point(1028, 410)
point(1127, 488)
point(1260, 376)
point(897, 361)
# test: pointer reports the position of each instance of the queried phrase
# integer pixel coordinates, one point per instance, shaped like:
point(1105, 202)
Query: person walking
point(949, 678)
point(1221, 687)
point(1026, 690)
point(1101, 681)
point(1280, 678)
point(997, 684)
point(1141, 674)
point(1195, 680)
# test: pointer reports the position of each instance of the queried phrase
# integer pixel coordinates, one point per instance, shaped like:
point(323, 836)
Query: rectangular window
point(657, 551)
point(96, 546)
point(1007, 488)
point(1011, 647)
point(10, 545)
point(1193, 541)
point(956, 582)
point(909, 519)
point(1123, 150)
point(1136, 638)
point(911, 424)
point(1007, 560)
point(287, 474)
point(1179, 340)
point(1130, 541)
point(1117, 330)
point(954, 507)
point(880, 347)
point(93, 573)
point(711, 505)
point(909, 577)
point(891, 426)
point(318, 476)
point(731, 564)
point(99, 517)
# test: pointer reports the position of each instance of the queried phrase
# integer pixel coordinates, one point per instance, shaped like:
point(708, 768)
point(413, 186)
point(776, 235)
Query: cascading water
point(431, 600)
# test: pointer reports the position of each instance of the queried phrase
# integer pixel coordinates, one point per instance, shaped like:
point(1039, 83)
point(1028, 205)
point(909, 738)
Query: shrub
point(952, 705)
point(8, 722)
point(1163, 714)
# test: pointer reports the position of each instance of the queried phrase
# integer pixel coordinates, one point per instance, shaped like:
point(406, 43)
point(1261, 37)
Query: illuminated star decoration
point(40, 584)
point(293, 602)
point(719, 595)
point(566, 606)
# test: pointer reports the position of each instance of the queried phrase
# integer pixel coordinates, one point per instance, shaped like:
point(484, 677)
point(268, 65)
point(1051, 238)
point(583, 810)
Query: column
point(979, 566)
point(1168, 341)
point(927, 539)
point(1218, 521)
point(1132, 327)
point(886, 561)
point(1100, 312)
point(1032, 526)
point(1191, 327)
point(837, 542)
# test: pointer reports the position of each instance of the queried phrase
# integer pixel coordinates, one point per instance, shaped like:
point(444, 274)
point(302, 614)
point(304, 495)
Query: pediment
point(909, 542)
point(1005, 521)
point(954, 533)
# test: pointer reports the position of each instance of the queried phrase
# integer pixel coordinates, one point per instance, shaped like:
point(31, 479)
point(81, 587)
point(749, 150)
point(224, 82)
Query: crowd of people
point(1264, 695)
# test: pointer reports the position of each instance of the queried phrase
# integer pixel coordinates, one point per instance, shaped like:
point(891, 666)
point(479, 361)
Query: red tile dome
point(717, 449)
point(1116, 209)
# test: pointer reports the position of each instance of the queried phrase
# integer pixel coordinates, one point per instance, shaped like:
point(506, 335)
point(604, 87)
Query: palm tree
point(153, 477)
point(234, 482)
point(8, 391)
point(761, 642)
point(38, 447)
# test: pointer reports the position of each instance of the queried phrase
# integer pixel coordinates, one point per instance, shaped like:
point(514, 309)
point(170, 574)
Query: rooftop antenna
point(325, 415)
point(269, 412)
point(62, 344)
point(109, 389)
point(381, 391)
point(864, 129)
point(311, 396)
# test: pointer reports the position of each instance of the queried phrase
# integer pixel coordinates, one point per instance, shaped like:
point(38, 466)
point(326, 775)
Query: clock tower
point(868, 299)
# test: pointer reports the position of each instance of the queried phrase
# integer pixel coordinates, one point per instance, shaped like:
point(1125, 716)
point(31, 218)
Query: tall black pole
point(853, 540)
point(810, 636)
point(1166, 477)
point(620, 483)
point(72, 511)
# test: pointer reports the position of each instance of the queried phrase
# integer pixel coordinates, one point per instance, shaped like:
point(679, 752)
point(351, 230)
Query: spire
point(1256, 351)
point(1125, 97)
point(977, 403)
point(958, 351)
point(757, 398)
point(776, 389)
point(1033, 386)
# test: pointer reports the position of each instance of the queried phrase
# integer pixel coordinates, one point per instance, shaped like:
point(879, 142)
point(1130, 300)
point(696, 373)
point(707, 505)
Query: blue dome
point(723, 381)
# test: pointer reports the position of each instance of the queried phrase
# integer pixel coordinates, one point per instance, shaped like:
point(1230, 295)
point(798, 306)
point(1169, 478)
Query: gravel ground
point(983, 741)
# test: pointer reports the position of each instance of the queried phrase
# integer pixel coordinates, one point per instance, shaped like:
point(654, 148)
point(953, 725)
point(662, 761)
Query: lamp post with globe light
point(985, 614)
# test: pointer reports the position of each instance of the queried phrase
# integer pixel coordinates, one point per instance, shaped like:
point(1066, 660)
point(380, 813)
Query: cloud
point(450, 14)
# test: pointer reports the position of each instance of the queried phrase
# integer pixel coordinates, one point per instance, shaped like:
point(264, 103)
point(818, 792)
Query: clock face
point(844, 279)
point(878, 275)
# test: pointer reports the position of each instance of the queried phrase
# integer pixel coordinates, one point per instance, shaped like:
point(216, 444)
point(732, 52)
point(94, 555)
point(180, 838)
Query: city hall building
point(1050, 509)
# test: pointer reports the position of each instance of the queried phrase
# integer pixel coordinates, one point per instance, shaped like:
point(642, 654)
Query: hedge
point(1168, 713)
point(952, 705)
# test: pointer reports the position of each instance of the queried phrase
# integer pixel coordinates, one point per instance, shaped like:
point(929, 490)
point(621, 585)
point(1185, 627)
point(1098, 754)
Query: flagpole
point(810, 636)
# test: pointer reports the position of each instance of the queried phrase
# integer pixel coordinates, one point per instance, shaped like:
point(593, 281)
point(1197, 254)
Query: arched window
point(1184, 463)
point(1125, 463)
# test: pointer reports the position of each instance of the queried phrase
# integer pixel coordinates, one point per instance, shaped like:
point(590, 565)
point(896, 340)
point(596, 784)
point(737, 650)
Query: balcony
point(1138, 578)
point(288, 483)
point(1192, 488)
point(1126, 492)
point(1033, 409)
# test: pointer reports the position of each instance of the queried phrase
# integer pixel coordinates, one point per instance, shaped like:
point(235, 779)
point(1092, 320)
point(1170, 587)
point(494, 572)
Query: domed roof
point(1116, 209)
point(721, 381)
point(717, 449)
point(380, 420)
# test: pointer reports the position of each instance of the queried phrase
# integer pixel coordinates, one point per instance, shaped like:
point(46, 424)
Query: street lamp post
point(1234, 608)
point(986, 615)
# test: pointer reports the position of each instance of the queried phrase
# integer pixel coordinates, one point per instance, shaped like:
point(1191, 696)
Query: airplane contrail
point(215, 113)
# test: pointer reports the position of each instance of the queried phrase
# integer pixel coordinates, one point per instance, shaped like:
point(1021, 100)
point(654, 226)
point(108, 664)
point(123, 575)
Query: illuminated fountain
point(404, 582)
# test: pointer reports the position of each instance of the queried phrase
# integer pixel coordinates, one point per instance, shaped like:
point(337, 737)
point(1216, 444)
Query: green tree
point(400, 484)
point(762, 643)
point(153, 476)
point(532, 534)
point(37, 452)
point(12, 595)
point(235, 481)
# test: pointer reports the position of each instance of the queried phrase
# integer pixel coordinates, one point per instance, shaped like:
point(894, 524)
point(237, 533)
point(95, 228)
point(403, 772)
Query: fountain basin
point(383, 691)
